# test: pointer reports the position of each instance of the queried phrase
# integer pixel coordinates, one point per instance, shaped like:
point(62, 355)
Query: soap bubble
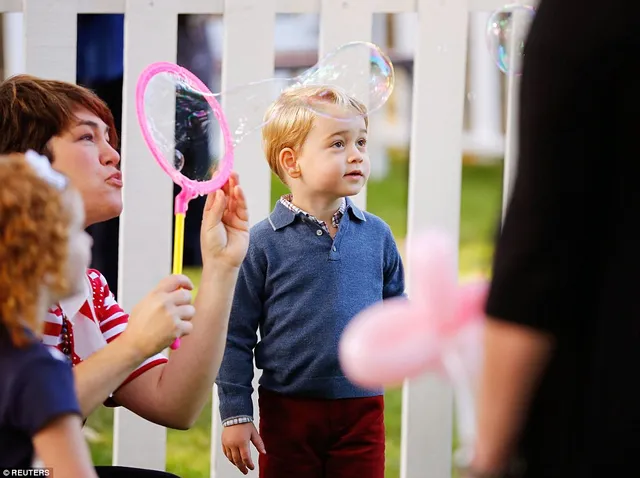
point(193, 131)
point(360, 69)
point(507, 31)
point(180, 121)
point(178, 162)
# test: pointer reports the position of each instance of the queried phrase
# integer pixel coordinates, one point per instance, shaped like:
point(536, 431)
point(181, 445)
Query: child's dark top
point(300, 288)
point(36, 386)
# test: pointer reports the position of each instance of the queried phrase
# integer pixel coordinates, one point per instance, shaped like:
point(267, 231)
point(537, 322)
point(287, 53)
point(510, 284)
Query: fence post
point(434, 201)
point(145, 225)
point(50, 37)
point(248, 55)
point(337, 27)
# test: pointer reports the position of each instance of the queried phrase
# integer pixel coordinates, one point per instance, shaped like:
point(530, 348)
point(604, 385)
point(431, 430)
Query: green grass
point(188, 451)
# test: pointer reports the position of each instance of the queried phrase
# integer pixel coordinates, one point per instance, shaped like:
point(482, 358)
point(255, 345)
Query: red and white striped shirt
point(94, 319)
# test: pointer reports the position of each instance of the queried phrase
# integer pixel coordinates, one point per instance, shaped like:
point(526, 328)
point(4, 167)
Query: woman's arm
point(175, 393)
point(164, 314)
point(515, 357)
point(97, 377)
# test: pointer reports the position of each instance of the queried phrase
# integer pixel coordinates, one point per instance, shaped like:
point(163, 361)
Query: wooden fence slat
point(12, 44)
point(282, 6)
point(51, 44)
point(486, 5)
point(146, 223)
point(337, 27)
point(248, 55)
point(7, 6)
point(216, 6)
point(434, 201)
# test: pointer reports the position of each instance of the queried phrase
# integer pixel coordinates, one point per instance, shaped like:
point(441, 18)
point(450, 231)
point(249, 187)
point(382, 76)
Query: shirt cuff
point(237, 420)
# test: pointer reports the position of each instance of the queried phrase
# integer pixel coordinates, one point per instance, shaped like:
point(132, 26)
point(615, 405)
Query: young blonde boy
point(312, 265)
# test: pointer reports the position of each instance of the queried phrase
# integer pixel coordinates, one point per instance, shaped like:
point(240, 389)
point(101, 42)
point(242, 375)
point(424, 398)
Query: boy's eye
point(362, 143)
point(338, 144)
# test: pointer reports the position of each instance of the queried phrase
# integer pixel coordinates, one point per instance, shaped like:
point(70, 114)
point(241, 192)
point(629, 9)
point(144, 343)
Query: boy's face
point(84, 155)
point(333, 160)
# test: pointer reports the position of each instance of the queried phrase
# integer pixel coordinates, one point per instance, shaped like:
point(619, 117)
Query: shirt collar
point(72, 305)
point(282, 216)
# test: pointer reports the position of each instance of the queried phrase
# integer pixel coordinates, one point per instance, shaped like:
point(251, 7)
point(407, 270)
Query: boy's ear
point(289, 162)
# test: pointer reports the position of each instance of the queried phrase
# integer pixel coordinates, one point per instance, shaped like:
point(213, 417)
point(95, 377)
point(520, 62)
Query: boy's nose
point(355, 157)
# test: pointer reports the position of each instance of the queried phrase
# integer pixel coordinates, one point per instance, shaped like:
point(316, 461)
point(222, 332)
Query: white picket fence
point(248, 55)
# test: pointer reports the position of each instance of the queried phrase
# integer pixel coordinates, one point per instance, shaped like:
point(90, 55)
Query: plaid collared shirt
point(335, 219)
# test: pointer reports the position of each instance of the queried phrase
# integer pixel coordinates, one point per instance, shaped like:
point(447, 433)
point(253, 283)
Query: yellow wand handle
point(178, 254)
point(178, 243)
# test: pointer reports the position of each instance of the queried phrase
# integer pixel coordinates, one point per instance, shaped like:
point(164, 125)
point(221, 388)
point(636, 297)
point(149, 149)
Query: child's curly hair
point(34, 243)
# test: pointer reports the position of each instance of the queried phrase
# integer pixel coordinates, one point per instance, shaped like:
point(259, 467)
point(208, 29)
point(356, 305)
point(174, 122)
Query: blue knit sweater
point(300, 288)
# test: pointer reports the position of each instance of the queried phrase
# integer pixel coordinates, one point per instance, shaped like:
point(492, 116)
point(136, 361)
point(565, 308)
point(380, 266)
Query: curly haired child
point(44, 252)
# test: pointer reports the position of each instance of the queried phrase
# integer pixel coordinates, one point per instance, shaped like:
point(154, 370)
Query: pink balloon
point(471, 298)
point(432, 274)
point(387, 343)
point(400, 338)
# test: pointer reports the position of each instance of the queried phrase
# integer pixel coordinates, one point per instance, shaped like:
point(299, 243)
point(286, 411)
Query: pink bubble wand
point(190, 188)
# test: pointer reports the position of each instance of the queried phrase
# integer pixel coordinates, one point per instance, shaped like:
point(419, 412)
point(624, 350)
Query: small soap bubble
point(178, 162)
point(506, 33)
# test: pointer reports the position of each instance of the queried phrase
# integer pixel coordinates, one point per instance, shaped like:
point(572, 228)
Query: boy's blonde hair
point(289, 119)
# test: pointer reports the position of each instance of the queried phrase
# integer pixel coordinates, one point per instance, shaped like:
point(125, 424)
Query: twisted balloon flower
point(439, 329)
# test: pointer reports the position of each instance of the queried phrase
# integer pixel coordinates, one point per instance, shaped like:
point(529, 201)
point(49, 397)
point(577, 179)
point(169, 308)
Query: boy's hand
point(224, 234)
point(162, 316)
point(235, 445)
